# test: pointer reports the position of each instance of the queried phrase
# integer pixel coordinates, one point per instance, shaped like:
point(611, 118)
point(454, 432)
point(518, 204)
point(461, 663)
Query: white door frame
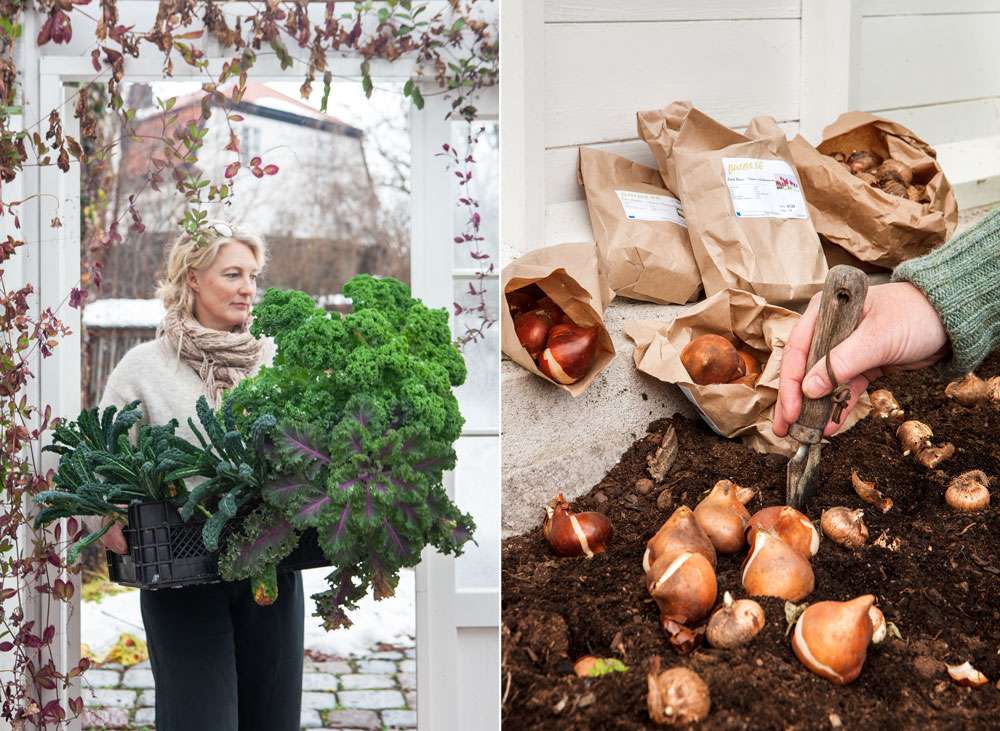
point(443, 609)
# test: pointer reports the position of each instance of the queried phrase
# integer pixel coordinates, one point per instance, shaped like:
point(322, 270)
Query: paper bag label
point(764, 188)
point(649, 207)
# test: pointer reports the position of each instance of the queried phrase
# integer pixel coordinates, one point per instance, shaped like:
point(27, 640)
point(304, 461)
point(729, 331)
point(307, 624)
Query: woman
point(220, 662)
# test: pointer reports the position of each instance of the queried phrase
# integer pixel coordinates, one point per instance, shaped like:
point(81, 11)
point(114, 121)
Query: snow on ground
point(123, 313)
point(391, 620)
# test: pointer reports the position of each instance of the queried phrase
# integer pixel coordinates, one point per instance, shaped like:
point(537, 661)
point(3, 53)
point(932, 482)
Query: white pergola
point(457, 612)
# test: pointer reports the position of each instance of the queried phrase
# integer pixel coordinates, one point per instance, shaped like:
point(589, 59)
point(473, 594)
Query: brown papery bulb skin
point(831, 638)
point(885, 405)
point(678, 534)
point(554, 311)
point(969, 491)
point(788, 524)
point(569, 353)
point(895, 170)
point(575, 534)
point(773, 568)
point(845, 527)
point(683, 586)
point(520, 300)
point(861, 161)
point(532, 329)
point(915, 436)
point(677, 696)
point(931, 457)
point(723, 517)
point(970, 391)
point(751, 366)
point(711, 359)
point(993, 388)
point(735, 623)
point(867, 178)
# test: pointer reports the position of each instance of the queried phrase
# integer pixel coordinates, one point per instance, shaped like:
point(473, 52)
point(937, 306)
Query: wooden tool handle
point(839, 312)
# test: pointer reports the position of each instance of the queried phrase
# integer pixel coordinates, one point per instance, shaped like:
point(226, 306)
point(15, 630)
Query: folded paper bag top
point(871, 224)
point(747, 218)
point(570, 275)
point(730, 409)
point(639, 228)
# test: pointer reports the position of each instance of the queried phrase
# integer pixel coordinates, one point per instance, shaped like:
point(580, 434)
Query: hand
point(114, 539)
point(899, 331)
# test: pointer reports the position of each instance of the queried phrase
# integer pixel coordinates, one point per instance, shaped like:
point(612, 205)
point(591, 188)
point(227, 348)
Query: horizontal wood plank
point(910, 60)
point(927, 7)
point(946, 123)
point(590, 11)
point(598, 76)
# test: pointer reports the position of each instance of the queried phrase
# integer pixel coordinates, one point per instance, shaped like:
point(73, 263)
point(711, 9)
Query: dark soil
point(935, 573)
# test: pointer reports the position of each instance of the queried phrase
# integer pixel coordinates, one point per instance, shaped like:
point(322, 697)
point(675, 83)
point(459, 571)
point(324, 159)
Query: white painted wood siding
point(930, 65)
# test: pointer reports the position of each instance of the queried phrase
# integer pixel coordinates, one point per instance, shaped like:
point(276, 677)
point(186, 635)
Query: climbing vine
point(455, 51)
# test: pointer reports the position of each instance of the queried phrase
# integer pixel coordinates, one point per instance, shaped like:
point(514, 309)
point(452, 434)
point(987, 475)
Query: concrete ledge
point(554, 443)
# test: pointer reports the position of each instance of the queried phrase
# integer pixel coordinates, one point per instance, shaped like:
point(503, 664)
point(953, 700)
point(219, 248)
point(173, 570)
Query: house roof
point(261, 100)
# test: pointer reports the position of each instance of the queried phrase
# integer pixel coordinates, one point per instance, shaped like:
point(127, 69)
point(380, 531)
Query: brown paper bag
point(659, 128)
point(747, 218)
point(871, 224)
point(640, 230)
point(730, 409)
point(571, 276)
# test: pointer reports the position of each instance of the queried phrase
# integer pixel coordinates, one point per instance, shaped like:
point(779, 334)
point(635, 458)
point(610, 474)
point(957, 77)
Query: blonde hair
point(188, 253)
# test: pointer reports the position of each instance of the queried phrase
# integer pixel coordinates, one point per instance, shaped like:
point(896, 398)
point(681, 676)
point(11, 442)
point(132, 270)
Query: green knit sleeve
point(961, 281)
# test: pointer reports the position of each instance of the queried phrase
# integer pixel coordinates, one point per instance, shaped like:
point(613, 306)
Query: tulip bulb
point(844, 527)
point(735, 623)
point(554, 311)
point(679, 533)
point(969, 491)
point(711, 359)
point(532, 329)
point(522, 300)
point(789, 525)
point(683, 586)
point(569, 352)
point(774, 568)
point(575, 534)
point(831, 638)
point(970, 391)
point(885, 405)
point(676, 696)
point(915, 437)
point(723, 518)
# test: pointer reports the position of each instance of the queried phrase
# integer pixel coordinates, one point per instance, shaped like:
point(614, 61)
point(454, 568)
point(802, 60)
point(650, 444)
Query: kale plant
point(366, 422)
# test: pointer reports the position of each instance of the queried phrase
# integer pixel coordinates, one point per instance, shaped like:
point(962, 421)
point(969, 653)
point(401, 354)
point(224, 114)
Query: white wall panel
point(955, 122)
point(560, 11)
point(928, 7)
point(479, 703)
point(597, 76)
point(915, 60)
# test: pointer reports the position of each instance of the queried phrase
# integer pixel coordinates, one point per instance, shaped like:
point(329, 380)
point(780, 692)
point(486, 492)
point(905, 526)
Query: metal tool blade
point(800, 476)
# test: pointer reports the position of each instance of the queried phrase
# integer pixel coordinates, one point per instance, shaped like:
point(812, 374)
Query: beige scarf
point(221, 359)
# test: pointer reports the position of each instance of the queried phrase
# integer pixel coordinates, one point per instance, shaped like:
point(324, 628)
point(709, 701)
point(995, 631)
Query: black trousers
point(221, 662)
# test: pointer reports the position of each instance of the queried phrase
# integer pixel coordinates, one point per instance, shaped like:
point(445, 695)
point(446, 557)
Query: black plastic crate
point(164, 551)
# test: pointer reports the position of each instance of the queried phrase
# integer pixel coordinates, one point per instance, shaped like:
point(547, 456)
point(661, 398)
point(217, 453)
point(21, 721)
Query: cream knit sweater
point(167, 386)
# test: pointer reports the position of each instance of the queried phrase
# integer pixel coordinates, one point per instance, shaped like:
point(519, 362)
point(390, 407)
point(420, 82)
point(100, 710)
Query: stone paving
point(375, 691)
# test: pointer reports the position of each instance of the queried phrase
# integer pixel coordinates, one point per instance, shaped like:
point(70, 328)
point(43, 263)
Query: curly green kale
point(366, 425)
